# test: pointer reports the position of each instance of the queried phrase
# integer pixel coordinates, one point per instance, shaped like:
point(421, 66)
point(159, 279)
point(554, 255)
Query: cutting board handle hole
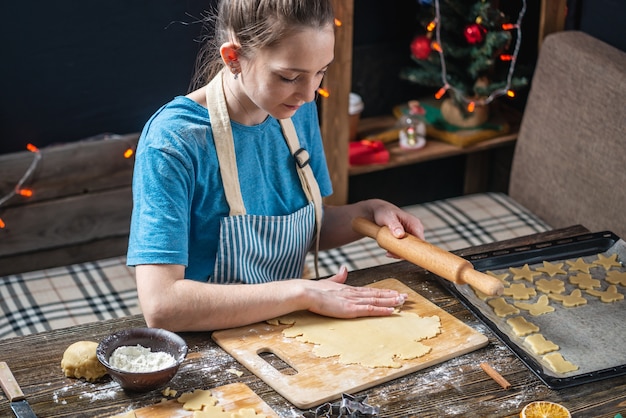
point(276, 362)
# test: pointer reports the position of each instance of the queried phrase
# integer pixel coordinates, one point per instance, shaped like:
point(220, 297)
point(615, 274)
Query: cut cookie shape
point(616, 277)
point(569, 301)
point(519, 291)
point(609, 295)
point(480, 295)
point(197, 400)
point(524, 273)
point(579, 265)
point(535, 309)
point(551, 269)
point(584, 281)
point(502, 308)
point(539, 344)
point(550, 286)
point(521, 327)
point(502, 277)
point(558, 364)
point(607, 262)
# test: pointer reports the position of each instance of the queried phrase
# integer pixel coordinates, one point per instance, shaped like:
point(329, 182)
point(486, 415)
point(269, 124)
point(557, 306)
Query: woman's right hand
point(332, 297)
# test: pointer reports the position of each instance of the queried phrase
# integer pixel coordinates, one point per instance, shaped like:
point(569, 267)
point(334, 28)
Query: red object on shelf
point(368, 152)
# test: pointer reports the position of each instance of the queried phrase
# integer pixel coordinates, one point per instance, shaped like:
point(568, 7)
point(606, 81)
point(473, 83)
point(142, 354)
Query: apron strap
point(309, 184)
point(220, 124)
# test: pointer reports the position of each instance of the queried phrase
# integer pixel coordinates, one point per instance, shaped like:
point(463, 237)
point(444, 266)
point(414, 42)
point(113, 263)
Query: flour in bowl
point(139, 359)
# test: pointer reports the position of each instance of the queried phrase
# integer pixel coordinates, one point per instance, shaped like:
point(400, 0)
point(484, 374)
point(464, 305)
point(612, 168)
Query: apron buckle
point(302, 160)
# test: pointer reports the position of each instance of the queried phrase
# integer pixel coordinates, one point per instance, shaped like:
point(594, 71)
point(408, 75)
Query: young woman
point(229, 179)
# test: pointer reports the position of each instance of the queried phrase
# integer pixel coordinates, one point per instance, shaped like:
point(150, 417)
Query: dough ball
point(80, 361)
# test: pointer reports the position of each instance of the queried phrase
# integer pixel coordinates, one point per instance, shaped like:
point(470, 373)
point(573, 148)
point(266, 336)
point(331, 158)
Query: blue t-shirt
point(178, 195)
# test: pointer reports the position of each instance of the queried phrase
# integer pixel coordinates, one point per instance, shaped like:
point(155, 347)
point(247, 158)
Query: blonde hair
point(253, 25)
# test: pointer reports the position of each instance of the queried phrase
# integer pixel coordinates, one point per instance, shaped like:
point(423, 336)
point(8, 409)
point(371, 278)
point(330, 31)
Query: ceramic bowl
point(155, 339)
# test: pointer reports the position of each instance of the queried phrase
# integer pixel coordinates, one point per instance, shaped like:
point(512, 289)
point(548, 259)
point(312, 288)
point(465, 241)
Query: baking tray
point(592, 336)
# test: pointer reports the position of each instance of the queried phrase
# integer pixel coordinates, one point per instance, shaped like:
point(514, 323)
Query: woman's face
point(278, 80)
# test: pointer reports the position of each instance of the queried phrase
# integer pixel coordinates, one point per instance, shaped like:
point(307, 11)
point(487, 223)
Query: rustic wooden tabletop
point(457, 387)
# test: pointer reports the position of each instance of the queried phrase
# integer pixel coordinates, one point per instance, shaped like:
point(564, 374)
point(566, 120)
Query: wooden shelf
point(433, 150)
point(477, 162)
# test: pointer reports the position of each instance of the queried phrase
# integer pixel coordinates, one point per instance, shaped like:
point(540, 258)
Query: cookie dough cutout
point(521, 327)
point(212, 411)
point(550, 286)
point(584, 281)
point(247, 413)
point(616, 277)
point(519, 291)
point(350, 340)
point(579, 265)
point(609, 295)
point(569, 301)
point(80, 361)
point(607, 262)
point(480, 295)
point(502, 308)
point(551, 269)
point(502, 277)
point(539, 344)
point(558, 364)
point(524, 273)
point(197, 400)
point(535, 309)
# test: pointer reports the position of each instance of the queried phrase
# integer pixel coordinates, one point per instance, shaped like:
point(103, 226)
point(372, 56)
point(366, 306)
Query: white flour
point(139, 359)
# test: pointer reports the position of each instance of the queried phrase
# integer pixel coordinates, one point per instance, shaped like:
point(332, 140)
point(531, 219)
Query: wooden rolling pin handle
point(437, 260)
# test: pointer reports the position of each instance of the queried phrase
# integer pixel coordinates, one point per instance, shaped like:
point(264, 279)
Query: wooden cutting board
point(318, 380)
point(231, 397)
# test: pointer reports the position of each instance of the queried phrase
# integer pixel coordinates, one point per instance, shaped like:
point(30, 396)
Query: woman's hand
point(397, 220)
point(331, 297)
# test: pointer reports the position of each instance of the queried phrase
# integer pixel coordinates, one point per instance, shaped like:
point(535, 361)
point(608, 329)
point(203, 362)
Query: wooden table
point(456, 387)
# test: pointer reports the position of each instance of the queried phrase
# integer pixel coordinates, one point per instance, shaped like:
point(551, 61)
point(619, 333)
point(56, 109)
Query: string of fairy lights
point(472, 102)
point(22, 190)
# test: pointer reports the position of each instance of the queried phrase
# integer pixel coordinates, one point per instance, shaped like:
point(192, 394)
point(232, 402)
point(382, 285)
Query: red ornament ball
point(420, 47)
point(474, 33)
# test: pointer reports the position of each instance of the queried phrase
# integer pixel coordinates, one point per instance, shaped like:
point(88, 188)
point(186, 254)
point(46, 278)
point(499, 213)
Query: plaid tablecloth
point(56, 298)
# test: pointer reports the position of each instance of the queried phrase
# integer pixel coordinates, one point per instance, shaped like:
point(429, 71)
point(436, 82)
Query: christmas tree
point(468, 49)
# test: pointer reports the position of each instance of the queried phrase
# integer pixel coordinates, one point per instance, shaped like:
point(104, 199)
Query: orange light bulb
point(128, 153)
point(440, 93)
point(323, 92)
point(25, 192)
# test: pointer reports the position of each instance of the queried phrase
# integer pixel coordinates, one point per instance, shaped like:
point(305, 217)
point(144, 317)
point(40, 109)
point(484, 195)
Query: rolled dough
point(369, 341)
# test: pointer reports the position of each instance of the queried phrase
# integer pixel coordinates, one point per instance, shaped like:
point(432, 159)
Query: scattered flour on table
point(139, 359)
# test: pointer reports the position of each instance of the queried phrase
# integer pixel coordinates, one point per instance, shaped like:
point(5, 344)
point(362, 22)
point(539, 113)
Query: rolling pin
point(434, 259)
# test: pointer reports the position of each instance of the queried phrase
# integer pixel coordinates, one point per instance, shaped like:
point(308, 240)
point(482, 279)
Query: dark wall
point(603, 19)
point(73, 69)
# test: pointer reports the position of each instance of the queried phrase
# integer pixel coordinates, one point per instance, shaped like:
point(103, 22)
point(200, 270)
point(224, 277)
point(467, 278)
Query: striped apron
point(255, 248)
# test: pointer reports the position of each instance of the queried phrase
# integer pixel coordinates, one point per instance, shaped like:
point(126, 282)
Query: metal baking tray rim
point(577, 246)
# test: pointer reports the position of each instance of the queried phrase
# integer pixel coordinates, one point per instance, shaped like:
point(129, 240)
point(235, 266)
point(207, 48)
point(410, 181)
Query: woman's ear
point(230, 56)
